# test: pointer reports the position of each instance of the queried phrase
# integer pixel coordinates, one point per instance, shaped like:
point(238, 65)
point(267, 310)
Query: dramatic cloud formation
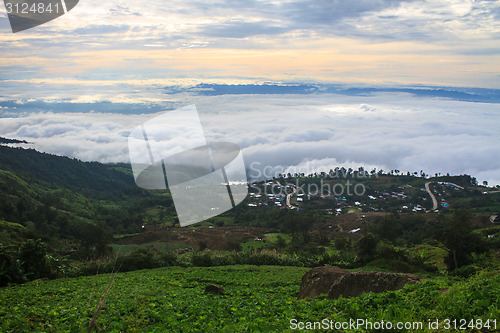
point(90, 137)
point(77, 85)
point(438, 42)
point(306, 132)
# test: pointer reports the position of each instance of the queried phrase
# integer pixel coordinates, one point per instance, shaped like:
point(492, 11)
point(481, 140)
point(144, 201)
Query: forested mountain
point(84, 177)
point(7, 141)
point(58, 199)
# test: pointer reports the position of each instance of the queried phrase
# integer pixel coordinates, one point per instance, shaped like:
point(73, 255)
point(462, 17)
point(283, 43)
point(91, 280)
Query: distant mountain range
point(478, 95)
point(462, 94)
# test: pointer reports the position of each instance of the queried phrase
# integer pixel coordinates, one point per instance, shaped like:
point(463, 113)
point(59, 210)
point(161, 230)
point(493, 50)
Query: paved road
point(289, 196)
point(434, 200)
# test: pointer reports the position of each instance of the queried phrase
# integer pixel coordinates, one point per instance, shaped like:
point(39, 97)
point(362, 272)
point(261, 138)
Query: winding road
point(434, 200)
point(288, 197)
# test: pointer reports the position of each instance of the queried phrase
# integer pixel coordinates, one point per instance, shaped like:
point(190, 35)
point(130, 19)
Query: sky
point(78, 84)
point(438, 42)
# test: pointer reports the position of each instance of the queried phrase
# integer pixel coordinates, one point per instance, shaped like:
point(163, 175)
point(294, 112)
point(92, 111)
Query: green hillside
point(55, 196)
point(91, 178)
point(70, 223)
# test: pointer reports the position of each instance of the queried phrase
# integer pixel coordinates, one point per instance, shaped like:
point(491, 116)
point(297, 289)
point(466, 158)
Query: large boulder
point(355, 284)
point(337, 282)
point(319, 280)
point(214, 289)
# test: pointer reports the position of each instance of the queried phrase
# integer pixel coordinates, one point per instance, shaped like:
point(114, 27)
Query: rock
point(214, 289)
point(319, 281)
point(337, 282)
point(356, 283)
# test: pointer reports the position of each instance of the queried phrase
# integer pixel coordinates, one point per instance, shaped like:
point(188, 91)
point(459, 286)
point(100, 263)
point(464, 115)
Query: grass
point(120, 236)
point(351, 209)
point(258, 299)
point(11, 225)
point(432, 255)
point(273, 237)
point(162, 246)
point(493, 209)
point(268, 238)
point(11, 233)
point(252, 245)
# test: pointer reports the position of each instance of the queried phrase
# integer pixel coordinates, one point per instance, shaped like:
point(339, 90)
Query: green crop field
point(257, 299)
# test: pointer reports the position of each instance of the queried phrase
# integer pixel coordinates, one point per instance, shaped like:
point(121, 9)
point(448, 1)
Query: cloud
point(243, 29)
point(385, 130)
point(101, 29)
point(371, 41)
point(328, 12)
point(87, 136)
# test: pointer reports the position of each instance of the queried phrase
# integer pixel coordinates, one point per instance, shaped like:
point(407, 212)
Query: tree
point(10, 268)
point(342, 243)
point(280, 242)
point(367, 247)
point(95, 240)
point(388, 227)
point(33, 256)
point(298, 225)
point(459, 239)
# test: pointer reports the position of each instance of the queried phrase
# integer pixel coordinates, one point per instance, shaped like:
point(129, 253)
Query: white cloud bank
point(385, 131)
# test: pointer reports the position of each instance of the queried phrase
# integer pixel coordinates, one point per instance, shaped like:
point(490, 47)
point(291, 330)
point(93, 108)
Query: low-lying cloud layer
point(308, 132)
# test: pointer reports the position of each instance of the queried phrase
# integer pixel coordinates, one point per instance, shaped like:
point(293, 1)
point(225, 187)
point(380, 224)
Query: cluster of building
point(269, 194)
point(406, 197)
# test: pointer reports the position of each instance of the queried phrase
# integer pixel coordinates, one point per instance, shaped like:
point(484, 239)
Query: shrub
point(140, 259)
point(233, 246)
point(367, 247)
point(167, 259)
point(10, 267)
point(201, 259)
point(465, 271)
point(386, 250)
point(33, 256)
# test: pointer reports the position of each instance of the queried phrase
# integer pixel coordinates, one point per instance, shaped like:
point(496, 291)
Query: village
point(405, 198)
